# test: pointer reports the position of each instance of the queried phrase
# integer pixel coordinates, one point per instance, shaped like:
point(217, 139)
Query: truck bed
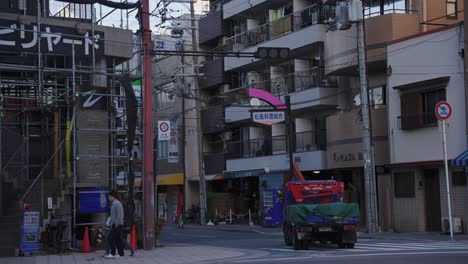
point(323, 214)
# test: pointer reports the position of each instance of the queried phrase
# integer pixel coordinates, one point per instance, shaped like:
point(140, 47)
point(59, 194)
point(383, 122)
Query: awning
point(461, 160)
point(170, 179)
point(430, 84)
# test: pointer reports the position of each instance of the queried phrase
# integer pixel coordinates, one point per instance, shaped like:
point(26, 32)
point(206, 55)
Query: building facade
point(60, 135)
point(245, 161)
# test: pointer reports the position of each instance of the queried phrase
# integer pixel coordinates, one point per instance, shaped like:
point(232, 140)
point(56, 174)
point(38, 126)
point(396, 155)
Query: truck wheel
point(342, 245)
point(350, 245)
point(287, 233)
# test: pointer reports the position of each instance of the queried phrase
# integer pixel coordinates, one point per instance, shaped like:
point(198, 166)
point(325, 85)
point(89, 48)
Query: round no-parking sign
point(443, 110)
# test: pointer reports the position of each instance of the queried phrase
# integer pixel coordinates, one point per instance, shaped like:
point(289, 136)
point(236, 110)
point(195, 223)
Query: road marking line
point(349, 256)
point(374, 248)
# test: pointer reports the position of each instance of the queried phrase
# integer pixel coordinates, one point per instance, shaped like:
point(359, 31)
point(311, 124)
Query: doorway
point(432, 200)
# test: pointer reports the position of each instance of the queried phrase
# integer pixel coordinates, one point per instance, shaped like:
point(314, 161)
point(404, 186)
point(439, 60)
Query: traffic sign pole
point(443, 111)
point(449, 199)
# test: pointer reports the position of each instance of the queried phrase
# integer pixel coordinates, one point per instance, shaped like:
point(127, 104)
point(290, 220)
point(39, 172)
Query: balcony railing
point(304, 141)
point(285, 84)
point(76, 11)
point(312, 15)
point(300, 81)
point(377, 11)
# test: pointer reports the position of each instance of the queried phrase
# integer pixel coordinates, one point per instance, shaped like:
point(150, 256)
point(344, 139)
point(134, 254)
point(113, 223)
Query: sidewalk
point(174, 254)
point(239, 228)
point(380, 235)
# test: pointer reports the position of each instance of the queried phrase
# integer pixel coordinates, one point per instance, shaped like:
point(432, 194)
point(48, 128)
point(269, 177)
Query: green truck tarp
point(320, 213)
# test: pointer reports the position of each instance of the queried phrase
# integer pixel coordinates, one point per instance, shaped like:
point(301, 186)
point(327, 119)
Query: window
point(459, 178)
point(417, 109)
point(452, 9)
point(162, 150)
point(404, 185)
point(165, 96)
point(381, 7)
point(377, 96)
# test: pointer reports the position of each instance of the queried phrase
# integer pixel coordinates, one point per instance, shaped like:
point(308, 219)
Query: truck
point(313, 211)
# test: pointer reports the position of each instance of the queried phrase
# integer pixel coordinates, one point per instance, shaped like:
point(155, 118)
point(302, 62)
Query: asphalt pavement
point(266, 246)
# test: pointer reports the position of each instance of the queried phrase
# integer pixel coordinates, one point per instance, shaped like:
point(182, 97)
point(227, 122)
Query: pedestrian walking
point(116, 221)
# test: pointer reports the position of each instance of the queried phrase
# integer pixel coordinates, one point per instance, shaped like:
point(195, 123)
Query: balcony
point(214, 163)
point(261, 147)
point(294, 31)
point(341, 53)
point(214, 74)
point(272, 153)
point(312, 15)
point(213, 119)
point(211, 27)
point(303, 86)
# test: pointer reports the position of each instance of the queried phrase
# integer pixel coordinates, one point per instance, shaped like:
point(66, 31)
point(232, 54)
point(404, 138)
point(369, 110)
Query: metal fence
point(312, 15)
point(303, 142)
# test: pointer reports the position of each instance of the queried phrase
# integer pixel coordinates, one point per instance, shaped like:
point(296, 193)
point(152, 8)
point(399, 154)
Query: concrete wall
point(344, 138)
point(234, 7)
point(341, 46)
point(314, 160)
point(439, 52)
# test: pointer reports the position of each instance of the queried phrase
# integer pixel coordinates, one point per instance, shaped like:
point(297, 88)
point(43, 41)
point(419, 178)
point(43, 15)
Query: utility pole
point(372, 220)
point(148, 161)
point(201, 170)
point(289, 134)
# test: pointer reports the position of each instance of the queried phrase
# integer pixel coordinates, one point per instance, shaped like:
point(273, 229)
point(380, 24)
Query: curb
point(231, 230)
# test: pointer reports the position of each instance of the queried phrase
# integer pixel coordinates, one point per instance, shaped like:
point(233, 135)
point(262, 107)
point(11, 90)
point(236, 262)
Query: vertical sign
point(443, 111)
point(164, 131)
point(173, 148)
point(137, 88)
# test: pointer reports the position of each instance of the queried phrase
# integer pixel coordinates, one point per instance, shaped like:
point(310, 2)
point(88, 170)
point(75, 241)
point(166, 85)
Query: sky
point(115, 19)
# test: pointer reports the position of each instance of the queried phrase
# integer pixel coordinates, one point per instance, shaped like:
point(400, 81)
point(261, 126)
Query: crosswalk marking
point(368, 246)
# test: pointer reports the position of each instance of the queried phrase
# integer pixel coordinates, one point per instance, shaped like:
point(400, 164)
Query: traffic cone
point(133, 238)
point(86, 247)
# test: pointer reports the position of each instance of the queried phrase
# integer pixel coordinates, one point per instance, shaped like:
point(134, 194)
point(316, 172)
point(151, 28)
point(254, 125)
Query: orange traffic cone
point(133, 239)
point(86, 247)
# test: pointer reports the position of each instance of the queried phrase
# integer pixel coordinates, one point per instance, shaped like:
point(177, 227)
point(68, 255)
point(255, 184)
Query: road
point(269, 248)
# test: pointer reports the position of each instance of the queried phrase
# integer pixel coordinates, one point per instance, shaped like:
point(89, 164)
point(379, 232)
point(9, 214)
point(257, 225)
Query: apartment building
point(58, 68)
point(427, 68)
point(245, 161)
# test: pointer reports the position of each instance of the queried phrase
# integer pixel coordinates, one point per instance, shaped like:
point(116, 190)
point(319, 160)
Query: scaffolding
point(39, 131)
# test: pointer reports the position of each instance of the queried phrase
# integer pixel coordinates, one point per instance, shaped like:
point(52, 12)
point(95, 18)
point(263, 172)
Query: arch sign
point(268, 117)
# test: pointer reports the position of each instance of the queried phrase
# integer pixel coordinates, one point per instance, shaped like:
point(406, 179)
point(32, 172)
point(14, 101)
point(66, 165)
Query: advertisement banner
point(173, 147)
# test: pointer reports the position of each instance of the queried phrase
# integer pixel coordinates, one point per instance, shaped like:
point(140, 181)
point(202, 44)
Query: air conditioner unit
point(456, 223)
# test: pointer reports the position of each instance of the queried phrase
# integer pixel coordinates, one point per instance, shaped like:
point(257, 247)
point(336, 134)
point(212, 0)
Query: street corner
point(163, 255)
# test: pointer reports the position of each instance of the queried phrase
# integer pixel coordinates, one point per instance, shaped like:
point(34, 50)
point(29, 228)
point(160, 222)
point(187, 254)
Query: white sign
point(173, 148)
point(164, 131)
point(49, 203)
point(268, 117)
